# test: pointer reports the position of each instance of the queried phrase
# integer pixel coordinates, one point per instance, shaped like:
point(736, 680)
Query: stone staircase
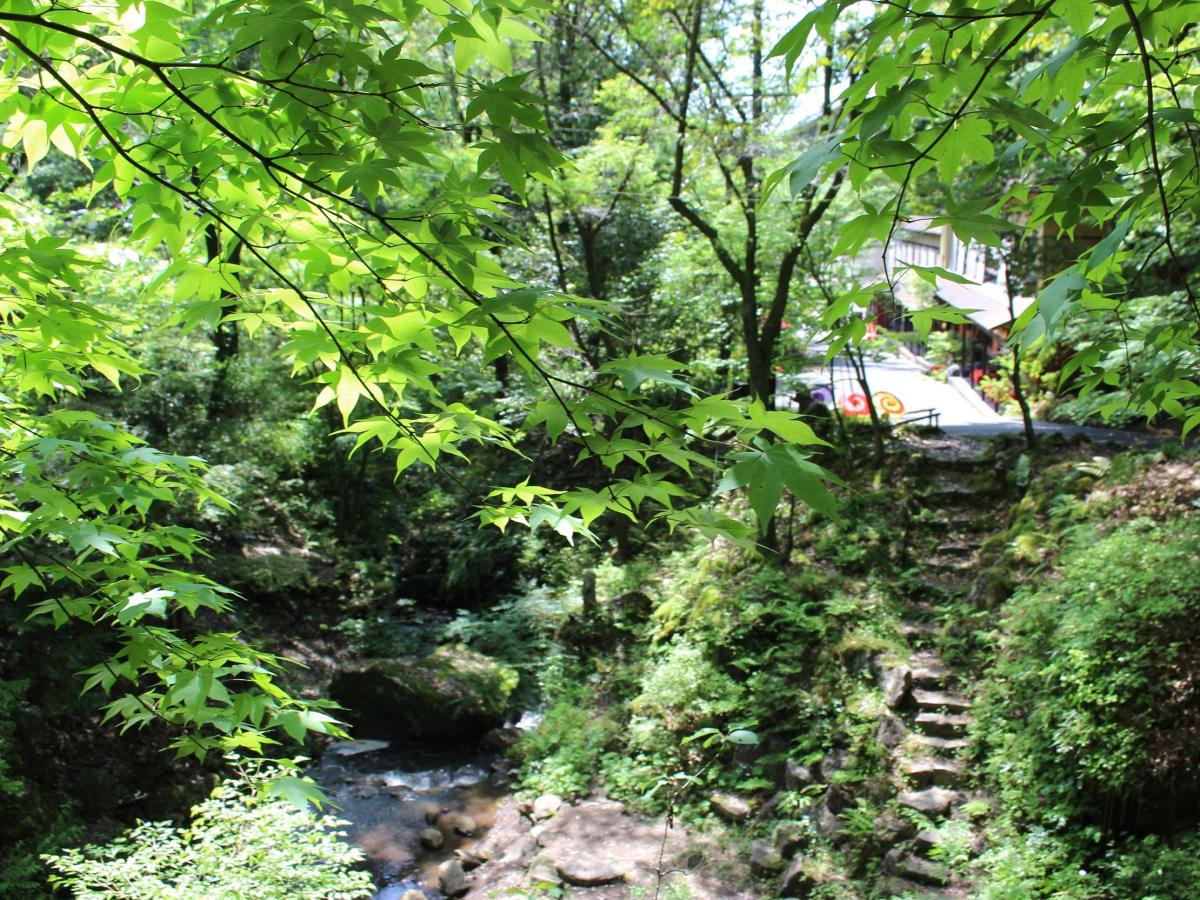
point(922, 817)
point(932, 778)
point(930, 702)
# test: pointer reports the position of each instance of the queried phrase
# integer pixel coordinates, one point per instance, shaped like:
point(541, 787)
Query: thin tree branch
point(1158, 173)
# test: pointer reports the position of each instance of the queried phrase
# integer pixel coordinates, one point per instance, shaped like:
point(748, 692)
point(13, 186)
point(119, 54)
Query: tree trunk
point(225, 335)
point(789, 539)
point(860, 375)
point(1019, 393)
point(588, 595)
point(1018, 386)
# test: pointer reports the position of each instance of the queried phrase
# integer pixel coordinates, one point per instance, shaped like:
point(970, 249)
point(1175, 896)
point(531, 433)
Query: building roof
point(989, 302)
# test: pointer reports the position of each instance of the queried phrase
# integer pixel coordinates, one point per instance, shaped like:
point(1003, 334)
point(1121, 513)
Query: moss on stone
point(451, 694)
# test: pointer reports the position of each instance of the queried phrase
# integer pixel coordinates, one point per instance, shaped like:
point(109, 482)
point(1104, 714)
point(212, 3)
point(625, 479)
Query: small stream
point(387, 790)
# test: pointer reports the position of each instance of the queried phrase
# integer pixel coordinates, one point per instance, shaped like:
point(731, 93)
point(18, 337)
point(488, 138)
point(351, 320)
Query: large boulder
point(453, 694)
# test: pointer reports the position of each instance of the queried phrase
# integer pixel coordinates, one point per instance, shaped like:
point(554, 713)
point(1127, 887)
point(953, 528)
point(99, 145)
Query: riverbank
point(441, 822)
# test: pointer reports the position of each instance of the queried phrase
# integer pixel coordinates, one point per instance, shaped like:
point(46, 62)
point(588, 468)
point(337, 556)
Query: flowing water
point(388, 791)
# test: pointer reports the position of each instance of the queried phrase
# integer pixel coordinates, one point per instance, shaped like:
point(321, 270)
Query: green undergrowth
point(1077, 624)
point(692, 638)
point(231, 848)
point(1088, 722)
point(729, 644)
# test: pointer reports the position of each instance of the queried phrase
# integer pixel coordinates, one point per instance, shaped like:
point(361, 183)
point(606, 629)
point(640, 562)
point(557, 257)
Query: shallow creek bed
point(410, 807)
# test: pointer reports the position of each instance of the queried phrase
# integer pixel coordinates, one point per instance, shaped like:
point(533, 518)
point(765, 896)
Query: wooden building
point(985, 301)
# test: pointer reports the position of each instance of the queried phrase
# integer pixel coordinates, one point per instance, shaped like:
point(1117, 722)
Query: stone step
point(944, 452)
point(958, 547)
point(950, 725)
point(928, 670)
point(954, 494)
point(929, 676)
point(925, 841)
point(956, 521)
point(923, 871)
point(932, 801)
point(951, 701)
point(950, 565)
point(941, 744)
point(926, 658)
point(912, 629)
point(934, 772)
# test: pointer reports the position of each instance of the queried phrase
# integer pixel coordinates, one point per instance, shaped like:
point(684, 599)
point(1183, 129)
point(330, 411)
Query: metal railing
point(915, 416)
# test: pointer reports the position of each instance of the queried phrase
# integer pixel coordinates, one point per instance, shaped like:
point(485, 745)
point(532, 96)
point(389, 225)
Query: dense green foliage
point(1086, 706)
point(723, 643)
point(238, 844)
point(337, 329)
point(1083, 145)
point(1086, 722)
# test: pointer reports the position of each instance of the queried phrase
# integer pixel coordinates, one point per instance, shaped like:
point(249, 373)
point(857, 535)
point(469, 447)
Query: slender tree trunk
point(225, 335)
point(758, 352)
point(588, 595)
point(1018, 385)
point(789, 540)
point(1022, 401)
point(860, 375)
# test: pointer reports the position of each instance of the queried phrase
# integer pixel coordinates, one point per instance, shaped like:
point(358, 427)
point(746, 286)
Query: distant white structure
point(921, 243)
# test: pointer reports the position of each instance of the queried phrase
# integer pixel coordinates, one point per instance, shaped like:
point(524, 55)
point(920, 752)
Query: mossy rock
point(990, 588)
point(453, 694)
point(992, 550)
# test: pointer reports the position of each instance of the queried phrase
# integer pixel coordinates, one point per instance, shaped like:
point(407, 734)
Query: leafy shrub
point(1090, 703)
point(384, 636)
point(562, 755)
point(242, 842)
point(1042, 864)
point(1034, 865)
point(1143, 356)
point(516, 630)
point(1153, 869)
point(685, 691)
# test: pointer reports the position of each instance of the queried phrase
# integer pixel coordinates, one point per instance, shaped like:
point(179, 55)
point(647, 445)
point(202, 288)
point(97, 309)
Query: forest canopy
point(342, 175)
